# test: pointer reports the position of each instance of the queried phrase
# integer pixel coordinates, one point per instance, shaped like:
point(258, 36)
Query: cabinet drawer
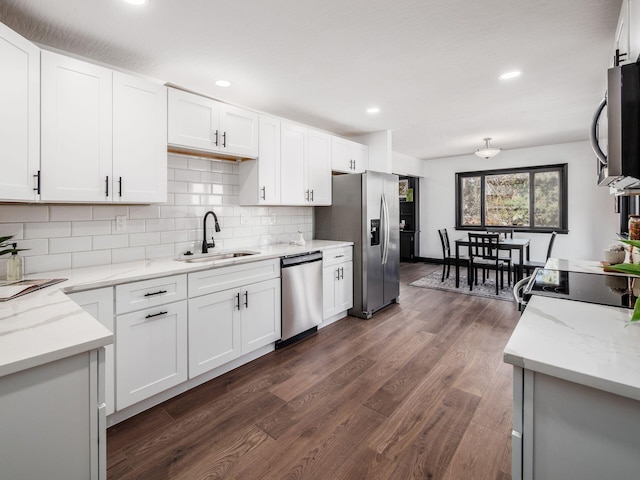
point(333, 256)
point(150, 293)
point(217, 279)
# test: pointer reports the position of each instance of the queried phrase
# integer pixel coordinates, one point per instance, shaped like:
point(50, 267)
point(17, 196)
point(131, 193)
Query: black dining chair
point(484, 254)
point(530, 266)
point(447, 258)
point(506, 255)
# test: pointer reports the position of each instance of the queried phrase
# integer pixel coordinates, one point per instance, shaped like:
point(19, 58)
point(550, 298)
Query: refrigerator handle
point(385, 249)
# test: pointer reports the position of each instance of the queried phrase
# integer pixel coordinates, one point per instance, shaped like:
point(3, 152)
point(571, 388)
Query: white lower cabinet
point(227, 324)
point(151, 352)
point(214, 331)
point(56, 428)
point(99, 304)
point(337, 281)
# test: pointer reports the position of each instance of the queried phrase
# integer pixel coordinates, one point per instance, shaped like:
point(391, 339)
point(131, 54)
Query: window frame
point(561, 168)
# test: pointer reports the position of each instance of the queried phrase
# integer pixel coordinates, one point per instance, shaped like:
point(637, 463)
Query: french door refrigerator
point(365, 211)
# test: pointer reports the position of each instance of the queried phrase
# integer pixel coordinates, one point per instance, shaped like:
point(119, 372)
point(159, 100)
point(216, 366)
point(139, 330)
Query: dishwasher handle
point(293, 260)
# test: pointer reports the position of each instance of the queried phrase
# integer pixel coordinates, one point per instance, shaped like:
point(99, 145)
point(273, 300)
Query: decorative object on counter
point(9, 292)
point(634, 227)
point(631, 269)
point(300, 240)
point(614, 253)
point(15, 269)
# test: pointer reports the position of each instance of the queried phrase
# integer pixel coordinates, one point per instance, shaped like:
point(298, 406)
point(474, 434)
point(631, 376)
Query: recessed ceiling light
point(223, 83)
point(373, 110)
point(136, 2)
point(510, 75)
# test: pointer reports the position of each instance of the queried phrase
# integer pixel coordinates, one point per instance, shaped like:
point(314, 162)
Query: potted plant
point(631, 269)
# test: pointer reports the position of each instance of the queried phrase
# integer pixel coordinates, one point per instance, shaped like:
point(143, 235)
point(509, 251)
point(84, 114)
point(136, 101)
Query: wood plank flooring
point(417, 392)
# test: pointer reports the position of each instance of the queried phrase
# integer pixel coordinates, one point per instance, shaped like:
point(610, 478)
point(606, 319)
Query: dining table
point(521, 245)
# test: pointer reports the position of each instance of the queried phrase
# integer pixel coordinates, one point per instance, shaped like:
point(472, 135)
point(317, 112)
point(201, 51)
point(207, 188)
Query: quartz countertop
point(46, 325)
point(580, 342)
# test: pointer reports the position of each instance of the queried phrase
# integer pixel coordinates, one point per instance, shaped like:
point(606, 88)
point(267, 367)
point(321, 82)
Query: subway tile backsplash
point(73, 236)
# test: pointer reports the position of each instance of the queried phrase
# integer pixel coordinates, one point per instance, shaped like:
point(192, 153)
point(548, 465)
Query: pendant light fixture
point(488, 151)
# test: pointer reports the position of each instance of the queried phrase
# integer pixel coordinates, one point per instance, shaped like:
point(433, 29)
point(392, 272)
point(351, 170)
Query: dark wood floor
point(418, 391)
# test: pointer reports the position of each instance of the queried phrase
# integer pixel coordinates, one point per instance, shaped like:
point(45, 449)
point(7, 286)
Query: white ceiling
point(430, 65)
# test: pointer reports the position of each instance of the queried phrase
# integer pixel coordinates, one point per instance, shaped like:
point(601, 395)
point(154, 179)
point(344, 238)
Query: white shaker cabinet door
point(239, 129)
point(151, 352)
point(269, 162)
point(99, 304)
point(19, 117)
point(76, 122)
point(318, 165)
point(194, 121)
point(293, 151)
point(214, 330)
point(260, 309)
point(139, 140)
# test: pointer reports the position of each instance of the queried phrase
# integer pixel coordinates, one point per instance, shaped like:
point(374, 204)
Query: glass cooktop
point(614, 290)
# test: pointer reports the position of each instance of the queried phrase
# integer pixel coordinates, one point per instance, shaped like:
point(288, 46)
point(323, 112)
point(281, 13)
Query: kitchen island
point(576, 412)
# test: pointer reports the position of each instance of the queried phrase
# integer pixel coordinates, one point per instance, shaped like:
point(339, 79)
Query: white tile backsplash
point(66, 236)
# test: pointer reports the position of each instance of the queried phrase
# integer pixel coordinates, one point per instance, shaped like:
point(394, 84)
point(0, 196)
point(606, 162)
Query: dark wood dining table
point(521, 245)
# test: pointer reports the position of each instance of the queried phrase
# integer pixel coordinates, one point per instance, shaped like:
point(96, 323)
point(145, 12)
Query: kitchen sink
point(211, 257)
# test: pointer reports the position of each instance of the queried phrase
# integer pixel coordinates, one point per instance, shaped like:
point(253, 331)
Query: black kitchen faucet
point(205, 244)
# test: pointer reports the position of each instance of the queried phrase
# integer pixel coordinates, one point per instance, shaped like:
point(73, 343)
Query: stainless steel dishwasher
point(301, 296)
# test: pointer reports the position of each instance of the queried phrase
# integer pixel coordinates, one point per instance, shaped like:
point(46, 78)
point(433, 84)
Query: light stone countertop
point(584, 343)
point(45, 325)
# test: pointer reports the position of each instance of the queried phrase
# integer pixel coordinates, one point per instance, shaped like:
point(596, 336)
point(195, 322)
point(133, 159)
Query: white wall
point(71, 236)
point(407, 165)
point(592, 221)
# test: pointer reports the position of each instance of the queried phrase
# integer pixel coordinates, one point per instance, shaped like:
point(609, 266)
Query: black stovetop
point(603, 289)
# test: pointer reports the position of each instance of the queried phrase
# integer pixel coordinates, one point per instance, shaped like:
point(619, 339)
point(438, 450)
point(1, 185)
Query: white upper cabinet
point(305, 166)
point(348, 156)
point(260, 179)
point(239, 129)
point(193, 121)
point(202, 124)
point(19, 117)
point(103, 134)
point(76, 130)
point(139, 140)
point(293, 151)
point(318, 168)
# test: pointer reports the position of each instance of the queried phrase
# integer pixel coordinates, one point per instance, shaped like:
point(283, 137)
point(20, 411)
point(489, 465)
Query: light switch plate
point(121, 223)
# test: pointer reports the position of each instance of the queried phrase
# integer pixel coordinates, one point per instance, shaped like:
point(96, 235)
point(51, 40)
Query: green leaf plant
point(7, 247)
point(630, 269)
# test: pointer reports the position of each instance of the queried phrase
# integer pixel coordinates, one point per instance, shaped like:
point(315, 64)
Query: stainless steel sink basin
point(210, 257)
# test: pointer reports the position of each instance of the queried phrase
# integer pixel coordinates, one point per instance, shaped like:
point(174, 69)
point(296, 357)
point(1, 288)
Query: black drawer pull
point(156, 315)
point(159, 292)
point(338, 256)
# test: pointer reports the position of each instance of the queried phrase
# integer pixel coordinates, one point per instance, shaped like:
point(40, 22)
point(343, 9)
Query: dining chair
point(447, 258)
point(506, 254)
point(484, 254)
point(530, 266)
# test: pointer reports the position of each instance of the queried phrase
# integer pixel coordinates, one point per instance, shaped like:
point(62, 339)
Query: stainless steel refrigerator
point(364, 210)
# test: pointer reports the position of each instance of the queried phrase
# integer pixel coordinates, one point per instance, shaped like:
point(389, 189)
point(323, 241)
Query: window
point(525, 199)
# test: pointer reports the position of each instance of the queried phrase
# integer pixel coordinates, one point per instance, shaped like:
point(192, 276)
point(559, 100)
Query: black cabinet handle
point(311, 195)
point(156, 314)
point(264, 193)
point(246, 299)
point(159, 292)
point(238, 300)
point(120, 186)
point(37, 177)
point(224, 139)
point(342, 273)
point(215, 142)
point(106, 186)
